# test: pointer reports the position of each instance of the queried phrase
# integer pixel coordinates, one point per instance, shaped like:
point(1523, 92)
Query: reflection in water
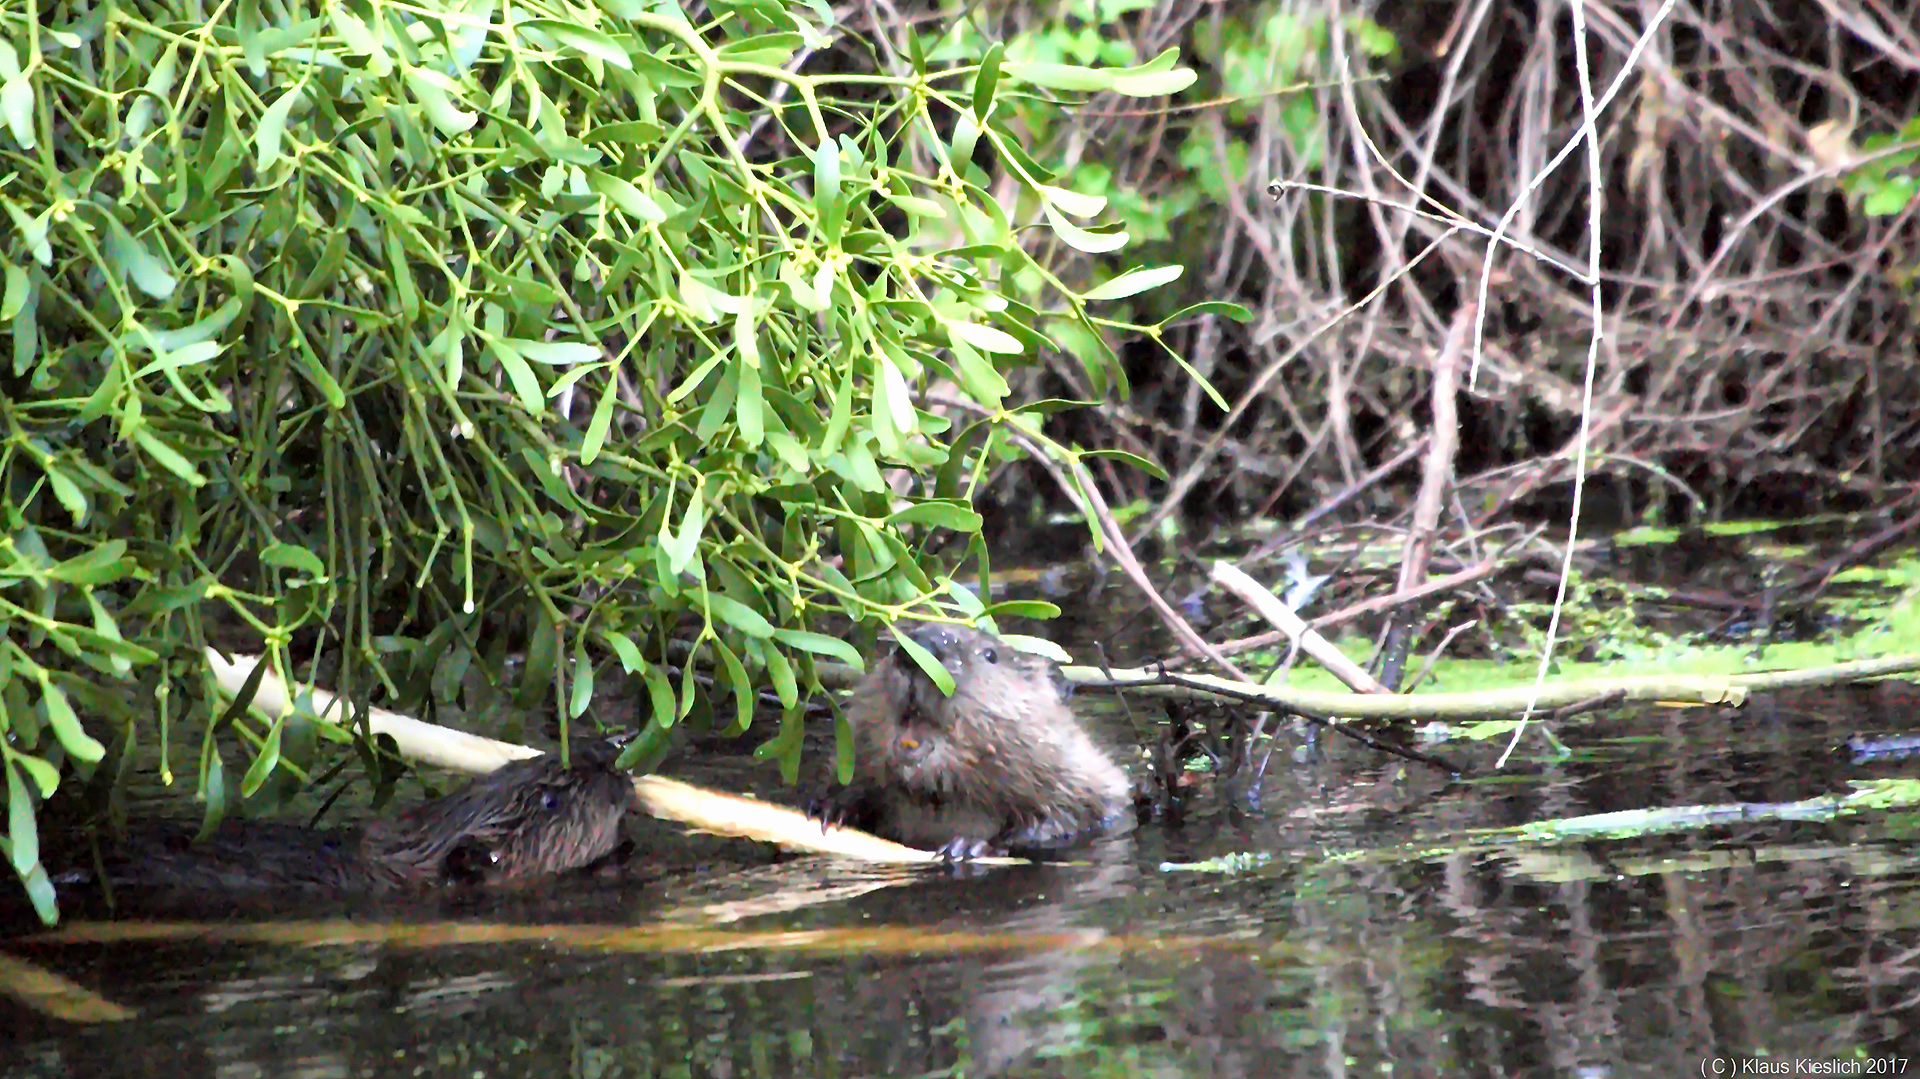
point(1376, 940)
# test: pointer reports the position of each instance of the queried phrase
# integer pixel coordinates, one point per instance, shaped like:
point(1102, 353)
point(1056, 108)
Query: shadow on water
point(1374, 937)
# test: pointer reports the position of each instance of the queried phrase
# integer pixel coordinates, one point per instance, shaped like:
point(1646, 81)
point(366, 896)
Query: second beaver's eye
point(989, 655)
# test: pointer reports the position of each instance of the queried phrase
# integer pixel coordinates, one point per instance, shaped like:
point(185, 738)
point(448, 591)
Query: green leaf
point(1141, 463)
point(22, 830)
point(1023, 608)
point(147, 273)
point(985, 338)
point(957, 516)
point(1134, 282)
point(743, 693)
point(601, 423)
point(740, 616)
point(780, 673)
point(1213, 395)
point(101, 565)
point(749, 408)
point(68, 494)
point(1049, 406)
point(791, 453)
point(583, 39)
point(264, 763)
point(543, 656)
point(556, 353)
point(964, 598)
point(745, 343)
point(947, 480)
point(168, 457)
point(1060, 76)
point(629, 198)
point(718, 408)
point(822, 645)
point(626, 650)
point(941, 677)
point(648, 750)
point(66, 725)
point(39, 888)
point(1891, 197)
point(293, 557)
point(1073, 202)
point(16, 106)
point(1153, 84)
point(799, 288)
point(272, 129)
point(785, 747)
point(15, 300)
point(826, 190)
point(861, 468)
point(694, 378)
point(917, 206)
point(705, 301)
point(582, 694)
point(33, 231)
point(44, 775)
point(172, 360)
point(355, 34)
point(966, 135)
point(213, 787)
point(681, 546)
point(625, 133)
point(526, 385)
point(660, 692)
point(1039, 646)
point(1093, 243)
point(1212, 307)
point(840, 417)
point(978, 377)
point(767, 50)
point(449, 671)
point(986, 80)
point(243, 699)
point(435, 92)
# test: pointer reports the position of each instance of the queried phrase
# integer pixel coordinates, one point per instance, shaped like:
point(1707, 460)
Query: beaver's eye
point(989, 655)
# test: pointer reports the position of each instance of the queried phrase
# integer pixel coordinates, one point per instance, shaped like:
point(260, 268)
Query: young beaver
point(530, 818)
point(527, 819)
point(1000, 765)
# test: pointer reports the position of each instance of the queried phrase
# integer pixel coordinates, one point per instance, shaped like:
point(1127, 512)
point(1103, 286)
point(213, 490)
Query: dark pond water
point(1373, 939)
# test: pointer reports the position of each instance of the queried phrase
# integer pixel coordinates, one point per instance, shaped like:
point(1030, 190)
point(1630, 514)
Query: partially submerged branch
point(669, 799)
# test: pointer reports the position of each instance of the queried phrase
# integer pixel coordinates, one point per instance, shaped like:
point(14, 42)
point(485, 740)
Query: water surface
point(1362, 935)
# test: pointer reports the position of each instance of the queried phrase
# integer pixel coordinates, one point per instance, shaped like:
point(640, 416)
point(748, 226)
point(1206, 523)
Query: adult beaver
point(1002, 765)
point(528, 819)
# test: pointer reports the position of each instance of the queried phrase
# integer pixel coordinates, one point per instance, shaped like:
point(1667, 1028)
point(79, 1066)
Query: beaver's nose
point(938, 638)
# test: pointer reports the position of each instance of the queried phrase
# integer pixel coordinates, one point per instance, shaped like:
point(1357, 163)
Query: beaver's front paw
point(966, 848)
point(842, 807)
point(1048, 833)
point(827, 810)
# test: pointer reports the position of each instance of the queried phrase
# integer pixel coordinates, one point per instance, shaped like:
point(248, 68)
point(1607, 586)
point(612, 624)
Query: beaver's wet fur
point(531, 818)
point(1001, 766)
